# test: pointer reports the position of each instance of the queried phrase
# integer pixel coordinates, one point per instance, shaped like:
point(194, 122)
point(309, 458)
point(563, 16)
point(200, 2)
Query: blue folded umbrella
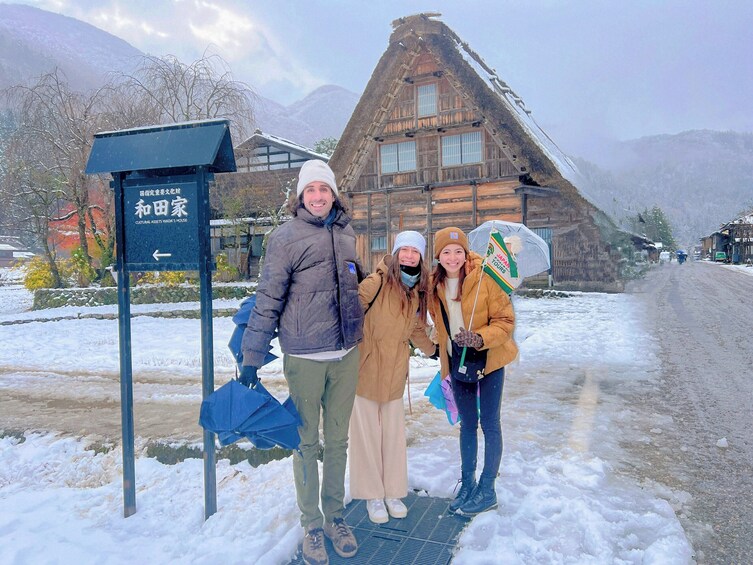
point(234, 411)
point(241, 321)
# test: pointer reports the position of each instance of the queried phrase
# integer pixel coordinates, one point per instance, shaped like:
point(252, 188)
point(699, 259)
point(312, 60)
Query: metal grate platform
point(426, 536)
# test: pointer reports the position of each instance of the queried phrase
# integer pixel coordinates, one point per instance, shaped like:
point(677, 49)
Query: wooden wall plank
point(506, 215)
point(489, 204)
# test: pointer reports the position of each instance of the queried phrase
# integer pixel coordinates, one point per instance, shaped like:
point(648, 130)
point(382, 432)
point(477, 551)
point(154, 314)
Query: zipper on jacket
point(337, 281)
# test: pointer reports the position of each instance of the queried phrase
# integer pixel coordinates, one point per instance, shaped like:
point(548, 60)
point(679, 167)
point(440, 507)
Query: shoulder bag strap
point(444, 317)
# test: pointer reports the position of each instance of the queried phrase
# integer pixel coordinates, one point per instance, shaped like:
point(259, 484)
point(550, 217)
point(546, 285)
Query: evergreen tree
point(326, 146)
point(654, 225)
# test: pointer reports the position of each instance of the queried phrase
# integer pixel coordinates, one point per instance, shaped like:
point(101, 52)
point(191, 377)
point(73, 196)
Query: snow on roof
point(160, 127)
point(286, 143)
point(742, 220)
point(515, 103)
point(7, 247)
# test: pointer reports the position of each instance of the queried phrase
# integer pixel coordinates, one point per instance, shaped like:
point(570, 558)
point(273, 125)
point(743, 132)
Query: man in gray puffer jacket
point(309, 292)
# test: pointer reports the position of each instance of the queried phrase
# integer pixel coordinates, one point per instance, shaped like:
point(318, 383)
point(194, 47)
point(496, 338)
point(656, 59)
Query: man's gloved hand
point(467, 338)
point(248, 376)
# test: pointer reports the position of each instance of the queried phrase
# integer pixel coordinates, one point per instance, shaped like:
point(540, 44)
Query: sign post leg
point(207, 342)
point(126, 367)
point(207, 369)
point(126, 396)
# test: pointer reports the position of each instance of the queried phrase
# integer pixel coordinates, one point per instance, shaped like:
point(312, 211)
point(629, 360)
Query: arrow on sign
point(157, 255)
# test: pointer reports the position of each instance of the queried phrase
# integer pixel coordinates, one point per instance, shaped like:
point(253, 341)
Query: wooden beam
point(388, 217)
point(429, 228)
point(535, 190)
point(474, 202)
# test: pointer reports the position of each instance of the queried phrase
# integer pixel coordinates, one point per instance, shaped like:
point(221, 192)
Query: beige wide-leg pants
point(378, 460)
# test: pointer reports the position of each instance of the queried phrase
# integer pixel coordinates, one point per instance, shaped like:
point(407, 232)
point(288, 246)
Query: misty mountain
point(323, 113)
point(34, 42)
point(700, 179)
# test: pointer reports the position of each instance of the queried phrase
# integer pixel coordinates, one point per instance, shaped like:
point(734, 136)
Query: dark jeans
point(488, 401)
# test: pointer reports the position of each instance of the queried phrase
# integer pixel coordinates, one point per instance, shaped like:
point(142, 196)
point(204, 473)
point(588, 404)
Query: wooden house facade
point(437, 139)
point(734, 239)
point(740, 239)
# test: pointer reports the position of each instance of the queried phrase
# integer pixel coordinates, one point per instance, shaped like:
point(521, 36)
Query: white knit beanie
point(410, 239)
point(316, 170)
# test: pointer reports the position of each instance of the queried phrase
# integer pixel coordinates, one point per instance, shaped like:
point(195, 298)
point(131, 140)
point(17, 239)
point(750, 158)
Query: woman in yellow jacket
point(395, 297)
point(457, 284)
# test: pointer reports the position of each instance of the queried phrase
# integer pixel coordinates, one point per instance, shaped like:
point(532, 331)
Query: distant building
point(6, 254)
point(12, 251)
point(707, 243)
point(648, 250)
point(266, 152)
point(734, 239)
point(242, 240)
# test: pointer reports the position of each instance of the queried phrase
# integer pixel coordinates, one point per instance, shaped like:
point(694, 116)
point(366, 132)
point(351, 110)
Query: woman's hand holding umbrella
point(467, 338)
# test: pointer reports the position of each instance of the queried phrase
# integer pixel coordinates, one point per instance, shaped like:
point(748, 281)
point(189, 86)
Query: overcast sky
point(594, 69)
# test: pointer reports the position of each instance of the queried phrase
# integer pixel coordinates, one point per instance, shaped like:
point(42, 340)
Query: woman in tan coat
point(472, 300)
point(395, 301)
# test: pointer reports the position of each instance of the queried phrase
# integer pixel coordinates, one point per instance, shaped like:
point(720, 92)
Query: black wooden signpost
point(161, 178)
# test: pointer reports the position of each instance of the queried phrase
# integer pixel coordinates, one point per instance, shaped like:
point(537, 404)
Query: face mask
point(411, 270)
point(409, 280)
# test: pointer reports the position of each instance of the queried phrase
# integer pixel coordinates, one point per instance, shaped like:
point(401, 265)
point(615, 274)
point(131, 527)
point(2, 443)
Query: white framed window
point(461, 149)
point(379, 243)
point(398, 157)
point(427, 99)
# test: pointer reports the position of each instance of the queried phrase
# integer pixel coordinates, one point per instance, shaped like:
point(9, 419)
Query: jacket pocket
point(293, 323)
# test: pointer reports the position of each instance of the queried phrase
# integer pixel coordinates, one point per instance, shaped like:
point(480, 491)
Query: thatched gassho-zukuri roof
point(504, 114)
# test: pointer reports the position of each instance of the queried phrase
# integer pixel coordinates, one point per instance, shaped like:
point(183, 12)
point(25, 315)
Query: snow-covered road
point(702, 316)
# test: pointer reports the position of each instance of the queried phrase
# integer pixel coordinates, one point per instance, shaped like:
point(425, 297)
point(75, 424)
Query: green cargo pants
point(325, 388)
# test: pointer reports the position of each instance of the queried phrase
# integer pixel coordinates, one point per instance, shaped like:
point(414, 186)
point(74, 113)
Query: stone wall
point(147, 294)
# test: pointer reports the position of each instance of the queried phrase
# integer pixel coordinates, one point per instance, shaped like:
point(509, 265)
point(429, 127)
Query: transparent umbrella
point(531, 252)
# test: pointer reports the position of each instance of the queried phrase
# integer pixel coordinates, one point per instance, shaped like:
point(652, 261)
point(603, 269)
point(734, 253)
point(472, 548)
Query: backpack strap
point(375, 296)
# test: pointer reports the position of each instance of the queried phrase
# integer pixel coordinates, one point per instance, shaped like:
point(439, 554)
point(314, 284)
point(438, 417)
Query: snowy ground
point(566, 493)
point(740, 268)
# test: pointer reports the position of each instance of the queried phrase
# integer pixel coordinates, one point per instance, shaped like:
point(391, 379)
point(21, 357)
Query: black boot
point(482, 499)
point(467, 486)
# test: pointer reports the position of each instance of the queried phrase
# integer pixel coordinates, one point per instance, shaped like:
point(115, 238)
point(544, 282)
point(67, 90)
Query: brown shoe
point(314, 552)
point(342, 538)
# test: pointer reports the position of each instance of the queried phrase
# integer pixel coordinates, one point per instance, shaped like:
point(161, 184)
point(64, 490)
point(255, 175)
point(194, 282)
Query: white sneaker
point(377, 511)
point(396, 508)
